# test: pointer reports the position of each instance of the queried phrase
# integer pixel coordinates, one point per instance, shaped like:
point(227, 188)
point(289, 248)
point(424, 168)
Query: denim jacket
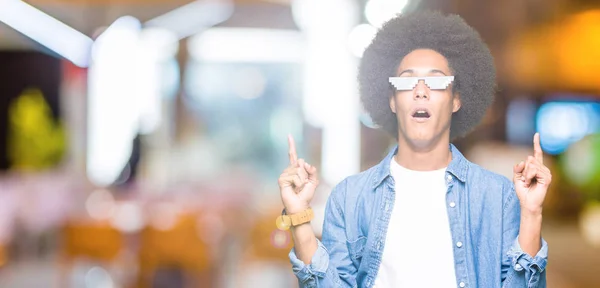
point(483, 211)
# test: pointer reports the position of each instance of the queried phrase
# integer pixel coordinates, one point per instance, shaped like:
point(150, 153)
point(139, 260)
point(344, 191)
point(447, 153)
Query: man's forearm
point(305, 242)
point(530, 233)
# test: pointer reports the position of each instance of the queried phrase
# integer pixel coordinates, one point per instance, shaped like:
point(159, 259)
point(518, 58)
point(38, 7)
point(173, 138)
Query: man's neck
point(434, 157)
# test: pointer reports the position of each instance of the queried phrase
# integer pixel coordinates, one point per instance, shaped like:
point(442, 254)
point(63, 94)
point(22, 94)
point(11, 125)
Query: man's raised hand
point(298, 182)
point(531, 179)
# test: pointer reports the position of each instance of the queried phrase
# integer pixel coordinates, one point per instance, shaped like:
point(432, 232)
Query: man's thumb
point(312, 170)
point(517, 169)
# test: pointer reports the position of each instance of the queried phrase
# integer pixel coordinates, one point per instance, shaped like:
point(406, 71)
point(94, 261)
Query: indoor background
point(141, 140)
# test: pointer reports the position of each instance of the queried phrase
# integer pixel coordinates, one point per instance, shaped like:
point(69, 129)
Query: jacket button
point(459, 244)
point(462, 284)
point(452, 204)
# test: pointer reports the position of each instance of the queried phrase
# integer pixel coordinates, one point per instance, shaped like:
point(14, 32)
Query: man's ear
point(393, 104)
point(456, 104)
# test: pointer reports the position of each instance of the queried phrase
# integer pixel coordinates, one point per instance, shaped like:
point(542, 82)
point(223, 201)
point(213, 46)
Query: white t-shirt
point(418, 248)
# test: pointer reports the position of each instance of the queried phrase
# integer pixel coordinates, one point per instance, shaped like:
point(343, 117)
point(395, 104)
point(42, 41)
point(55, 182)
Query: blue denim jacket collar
point(458, 166)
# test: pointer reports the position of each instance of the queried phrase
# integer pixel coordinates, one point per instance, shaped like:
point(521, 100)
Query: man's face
point(423, 113)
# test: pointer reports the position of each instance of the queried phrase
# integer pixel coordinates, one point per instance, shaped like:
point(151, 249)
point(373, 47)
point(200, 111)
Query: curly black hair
point(468, 56)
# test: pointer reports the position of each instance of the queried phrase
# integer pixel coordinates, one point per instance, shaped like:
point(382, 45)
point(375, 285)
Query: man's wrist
point(529, 214)
point(531, 222)
point(287, 220)
point(530, 232)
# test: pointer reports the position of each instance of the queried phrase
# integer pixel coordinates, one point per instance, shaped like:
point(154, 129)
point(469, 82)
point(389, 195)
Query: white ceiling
point(88, 18)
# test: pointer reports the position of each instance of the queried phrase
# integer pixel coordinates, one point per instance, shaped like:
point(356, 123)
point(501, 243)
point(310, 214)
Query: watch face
point(283, 223)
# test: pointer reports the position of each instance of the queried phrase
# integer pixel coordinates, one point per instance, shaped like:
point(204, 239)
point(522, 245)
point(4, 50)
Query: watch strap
point(302, 217)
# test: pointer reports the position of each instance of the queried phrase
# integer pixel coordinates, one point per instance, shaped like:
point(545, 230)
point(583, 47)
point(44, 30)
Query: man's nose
point(421, 90)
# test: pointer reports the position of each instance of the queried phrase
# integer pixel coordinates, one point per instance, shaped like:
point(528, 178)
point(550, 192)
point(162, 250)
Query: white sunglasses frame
point(409, 83)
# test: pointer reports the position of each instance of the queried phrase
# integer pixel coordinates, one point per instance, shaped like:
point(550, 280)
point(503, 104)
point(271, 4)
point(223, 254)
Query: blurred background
point(141, 140)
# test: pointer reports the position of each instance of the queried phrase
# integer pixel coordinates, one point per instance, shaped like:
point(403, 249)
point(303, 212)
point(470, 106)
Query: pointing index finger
point(292, 151)
point(537, 149)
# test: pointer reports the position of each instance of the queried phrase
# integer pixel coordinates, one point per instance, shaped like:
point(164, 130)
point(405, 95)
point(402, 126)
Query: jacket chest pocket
point(356, 249)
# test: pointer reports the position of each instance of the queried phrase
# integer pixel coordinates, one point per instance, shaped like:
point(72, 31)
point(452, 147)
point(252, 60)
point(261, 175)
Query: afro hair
point(468, 57)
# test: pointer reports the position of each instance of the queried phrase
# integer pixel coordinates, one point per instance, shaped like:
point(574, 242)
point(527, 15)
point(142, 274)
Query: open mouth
point(421, 113)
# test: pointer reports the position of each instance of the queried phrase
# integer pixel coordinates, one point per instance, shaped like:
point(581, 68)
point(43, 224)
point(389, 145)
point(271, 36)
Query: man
point(424, 216)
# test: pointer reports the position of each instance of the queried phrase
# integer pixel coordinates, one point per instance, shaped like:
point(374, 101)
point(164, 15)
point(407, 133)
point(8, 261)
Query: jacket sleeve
point(519, 269)
point(331, 265)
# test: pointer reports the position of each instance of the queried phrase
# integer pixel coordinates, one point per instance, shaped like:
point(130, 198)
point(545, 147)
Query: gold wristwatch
point(284, 222)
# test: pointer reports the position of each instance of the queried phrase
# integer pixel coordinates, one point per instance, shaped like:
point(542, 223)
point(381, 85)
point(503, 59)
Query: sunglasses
point(409, 83)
